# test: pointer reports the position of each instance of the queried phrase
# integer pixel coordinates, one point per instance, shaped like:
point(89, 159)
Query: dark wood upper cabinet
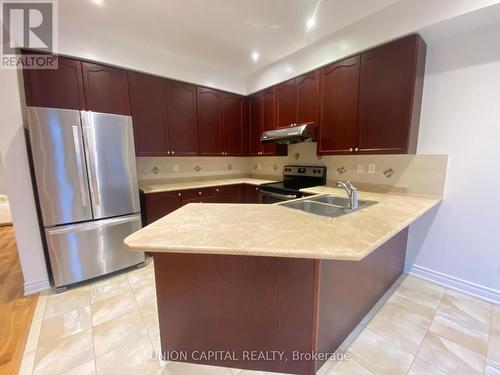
point(286, 104)
point(390, 96)
point(106, 89)
point(148, 104)
point(308, 98)
point(232, 124)
point(246, 126)
point(181, 118)
point(369, 103)
point(339, 84)
point(56, 88)
point(269, 118)
point(209, 121)
point(262, 117)
point(255, 121)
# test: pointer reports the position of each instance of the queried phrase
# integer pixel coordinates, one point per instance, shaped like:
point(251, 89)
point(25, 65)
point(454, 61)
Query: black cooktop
point(296, 178)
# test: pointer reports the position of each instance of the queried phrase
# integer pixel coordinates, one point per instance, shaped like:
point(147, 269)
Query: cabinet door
point(386, 96)
point(246, 127)
point(181, 118)
point(308, 97)
point(232, 125)
point(229, 194)
point(56, 88)
point(148, 104)
point(158, 205)
point(286, 106)
point(339, 107)
point(106, 89)
point(269, 117)
point(255, 119)
point(209, 121)
point(252, 194)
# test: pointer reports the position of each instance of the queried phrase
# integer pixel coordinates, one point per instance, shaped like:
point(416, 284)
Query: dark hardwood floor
point(16, 310)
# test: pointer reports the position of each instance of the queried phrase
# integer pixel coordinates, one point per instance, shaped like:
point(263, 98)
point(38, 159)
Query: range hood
point(293, 134)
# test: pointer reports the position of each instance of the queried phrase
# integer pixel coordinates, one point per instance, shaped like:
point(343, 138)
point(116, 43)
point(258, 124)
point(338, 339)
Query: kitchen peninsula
point(246, 277)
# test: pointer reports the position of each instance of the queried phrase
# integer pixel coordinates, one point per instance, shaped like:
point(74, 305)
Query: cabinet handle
point(168, 152)
point(179, 194)
point(351, 149)
point(356, 149)
point(172, 152)
point(216, 189)
point(199, 193)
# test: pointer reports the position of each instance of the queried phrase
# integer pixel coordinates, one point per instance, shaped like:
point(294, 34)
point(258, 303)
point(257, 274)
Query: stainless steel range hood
point(293, 134)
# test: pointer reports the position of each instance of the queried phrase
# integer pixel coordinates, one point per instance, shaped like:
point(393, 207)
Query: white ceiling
point(222, 33)
point(210, 42)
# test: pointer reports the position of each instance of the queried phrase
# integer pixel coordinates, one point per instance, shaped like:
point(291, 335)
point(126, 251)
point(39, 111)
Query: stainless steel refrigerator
point(86, 180)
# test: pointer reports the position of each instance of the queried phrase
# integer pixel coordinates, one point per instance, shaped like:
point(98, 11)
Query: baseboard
point(476, 290)
point(36, 286)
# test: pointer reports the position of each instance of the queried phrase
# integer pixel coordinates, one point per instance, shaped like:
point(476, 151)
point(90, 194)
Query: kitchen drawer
point(191, 194)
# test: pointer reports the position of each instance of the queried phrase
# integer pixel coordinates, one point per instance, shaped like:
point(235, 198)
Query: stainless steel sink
point(327, 205)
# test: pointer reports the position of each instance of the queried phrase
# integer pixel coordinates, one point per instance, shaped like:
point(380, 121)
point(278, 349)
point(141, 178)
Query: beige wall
point(18, 186)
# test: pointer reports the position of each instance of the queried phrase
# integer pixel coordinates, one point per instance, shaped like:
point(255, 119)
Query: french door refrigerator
point(86, 180)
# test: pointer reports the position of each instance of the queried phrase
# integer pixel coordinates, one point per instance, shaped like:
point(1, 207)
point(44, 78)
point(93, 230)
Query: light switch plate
point(360, 168)
point(176, 167)
point(371, 168)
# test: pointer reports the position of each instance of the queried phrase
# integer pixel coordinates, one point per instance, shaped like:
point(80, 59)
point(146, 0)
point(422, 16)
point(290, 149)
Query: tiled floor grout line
point(39, 333)
point(489, 338)
point(143, 280)
point(91, 324)
point(426, 332)
point(92, 330)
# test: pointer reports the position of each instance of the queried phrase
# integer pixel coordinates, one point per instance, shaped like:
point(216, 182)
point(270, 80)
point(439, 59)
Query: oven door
point(269, 197)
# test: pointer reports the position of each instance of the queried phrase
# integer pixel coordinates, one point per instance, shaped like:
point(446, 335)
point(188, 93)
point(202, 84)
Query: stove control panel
point(294, 170)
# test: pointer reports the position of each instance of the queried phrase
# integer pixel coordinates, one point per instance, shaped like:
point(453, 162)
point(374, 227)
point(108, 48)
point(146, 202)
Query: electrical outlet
point(176, 167)
point(360, 168)
point(371, 168)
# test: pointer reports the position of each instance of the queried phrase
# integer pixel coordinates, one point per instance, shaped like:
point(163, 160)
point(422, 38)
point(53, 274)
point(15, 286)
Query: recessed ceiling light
point(98, 2)
point(310, 23)
point(255, 55)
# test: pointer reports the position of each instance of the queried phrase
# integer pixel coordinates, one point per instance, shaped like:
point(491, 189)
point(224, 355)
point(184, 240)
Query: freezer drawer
point(83, 251)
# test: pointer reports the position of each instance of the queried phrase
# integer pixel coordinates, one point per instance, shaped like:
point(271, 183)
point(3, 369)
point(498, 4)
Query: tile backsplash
point(191, 167)
point(417, 174)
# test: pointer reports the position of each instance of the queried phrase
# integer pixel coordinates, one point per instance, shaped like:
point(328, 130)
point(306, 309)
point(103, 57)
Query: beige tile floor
point(111, 327)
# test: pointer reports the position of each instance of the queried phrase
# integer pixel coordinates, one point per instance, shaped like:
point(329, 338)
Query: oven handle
point(279, 196)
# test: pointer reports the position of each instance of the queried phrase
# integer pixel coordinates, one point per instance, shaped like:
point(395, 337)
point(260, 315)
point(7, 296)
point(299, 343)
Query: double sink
point(327, 205)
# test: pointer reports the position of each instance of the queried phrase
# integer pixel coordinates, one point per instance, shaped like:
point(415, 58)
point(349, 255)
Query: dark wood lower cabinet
point(230, 194)
point(245, 304)
point(251, 194)
point(157, 205)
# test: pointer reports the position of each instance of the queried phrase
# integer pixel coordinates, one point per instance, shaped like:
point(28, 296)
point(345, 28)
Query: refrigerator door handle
point(99, 224)
point(79, 165)
point(89, 140)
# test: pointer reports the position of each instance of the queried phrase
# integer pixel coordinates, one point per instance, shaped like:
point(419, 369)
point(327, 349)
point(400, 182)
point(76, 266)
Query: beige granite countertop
point(156, 187)
point(277, 231)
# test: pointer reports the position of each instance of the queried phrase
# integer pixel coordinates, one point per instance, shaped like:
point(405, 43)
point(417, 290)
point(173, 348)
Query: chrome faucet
point(351, 191)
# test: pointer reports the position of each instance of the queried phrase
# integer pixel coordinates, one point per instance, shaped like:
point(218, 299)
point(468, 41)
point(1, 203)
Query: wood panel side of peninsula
point(254, 304)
